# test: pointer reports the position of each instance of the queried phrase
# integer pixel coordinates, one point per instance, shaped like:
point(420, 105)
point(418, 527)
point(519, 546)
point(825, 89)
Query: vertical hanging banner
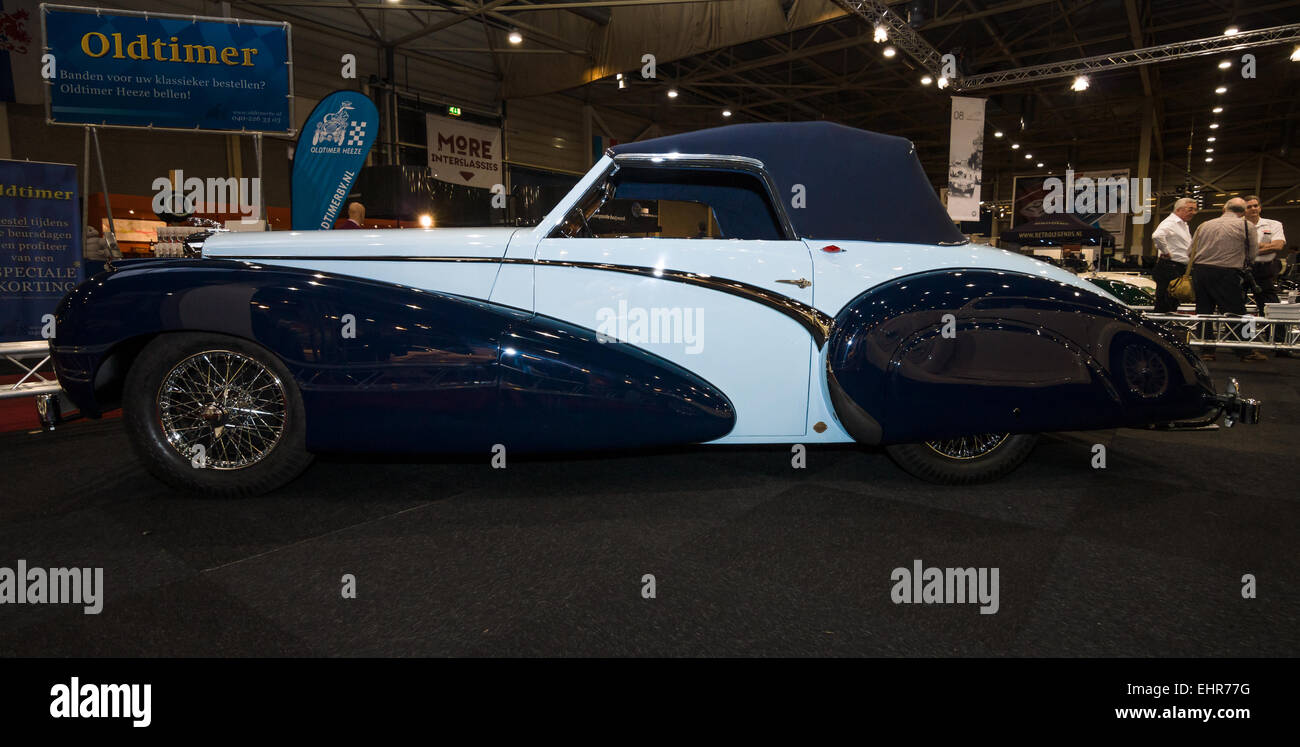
point(331, 150)
point(965, 158)
point(40, 244)
point(464, 153)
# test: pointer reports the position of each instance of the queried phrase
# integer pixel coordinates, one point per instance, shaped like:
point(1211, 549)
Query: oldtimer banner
point(40, 244)
point(150, 70)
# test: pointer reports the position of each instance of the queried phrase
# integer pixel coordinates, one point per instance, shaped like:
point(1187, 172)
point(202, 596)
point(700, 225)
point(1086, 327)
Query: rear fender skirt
point(386, 368)
point(1019, 354)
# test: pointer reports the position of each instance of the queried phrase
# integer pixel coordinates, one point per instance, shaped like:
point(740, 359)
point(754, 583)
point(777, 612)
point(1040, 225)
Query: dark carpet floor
point(750, 557)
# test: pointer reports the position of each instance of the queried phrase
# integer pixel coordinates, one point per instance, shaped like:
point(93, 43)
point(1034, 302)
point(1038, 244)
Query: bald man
point(356, 214)
point(1222, 250)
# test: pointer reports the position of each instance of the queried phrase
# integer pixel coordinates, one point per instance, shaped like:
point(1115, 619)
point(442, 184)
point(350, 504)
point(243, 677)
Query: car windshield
point(637, 202)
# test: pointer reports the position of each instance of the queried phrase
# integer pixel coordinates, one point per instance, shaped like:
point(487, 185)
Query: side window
point(639, 202)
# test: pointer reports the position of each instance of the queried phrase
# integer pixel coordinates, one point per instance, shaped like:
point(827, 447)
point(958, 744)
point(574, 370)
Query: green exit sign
point(453, 111)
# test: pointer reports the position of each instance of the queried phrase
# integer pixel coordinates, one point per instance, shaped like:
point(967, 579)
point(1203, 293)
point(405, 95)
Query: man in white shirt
point(1172, 238)
point(1272, 242)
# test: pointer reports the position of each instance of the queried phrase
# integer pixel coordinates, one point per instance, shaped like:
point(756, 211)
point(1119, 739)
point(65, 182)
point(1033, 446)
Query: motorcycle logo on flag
point(342, 128)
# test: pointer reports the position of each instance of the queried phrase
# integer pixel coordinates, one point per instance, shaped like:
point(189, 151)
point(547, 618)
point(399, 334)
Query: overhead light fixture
point(1029, 156)
point(672, 93)
point(1208, 159)
point(1015, 146)
point(889, 51)
point(1080, 83)
point(1210, 139)
point(1231, 31)
point(1225, 64)
point(943, 82)
point(1295, 54)
point(882, 34)
point(926, 80)
point(1217, 110)
point(426, 221)
point(998, 133)
point(726, 112)
point(1221, 89)
point(1214, 126)
point(621, 83)
point(1040, 165)
point(1209, 150)
point(515, 37)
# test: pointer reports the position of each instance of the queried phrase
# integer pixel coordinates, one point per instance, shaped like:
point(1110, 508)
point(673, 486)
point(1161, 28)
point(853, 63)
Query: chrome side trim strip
point(817, 324)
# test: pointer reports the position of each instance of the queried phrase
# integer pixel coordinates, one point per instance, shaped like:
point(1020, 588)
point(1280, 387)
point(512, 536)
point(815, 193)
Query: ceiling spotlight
point(515, 37)
point(1221, 89)
point(1231, 31)
point(672, 93)
point(926, 80)
point(1214, 126)
point(1015, 146)
point(998, 133)
point(1295, 55)
point(889, 51)
point(943, 82)
point(1225, 64)
point(1080, 83)
point(1028, 156)
point(726, 112)
point(882, 34)
point(1040, 165)
point(1209, 150)
point(1217, 110)
point(1208, 159)
point(1210, 139)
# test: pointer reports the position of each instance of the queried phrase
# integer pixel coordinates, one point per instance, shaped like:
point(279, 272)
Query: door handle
point(801, 282)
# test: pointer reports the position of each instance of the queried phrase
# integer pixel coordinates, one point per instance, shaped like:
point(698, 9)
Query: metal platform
point(1231, 331)
point(37, 378)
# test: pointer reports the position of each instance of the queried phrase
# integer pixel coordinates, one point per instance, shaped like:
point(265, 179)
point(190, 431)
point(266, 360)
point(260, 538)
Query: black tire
point(250, 455)
point(934, 462)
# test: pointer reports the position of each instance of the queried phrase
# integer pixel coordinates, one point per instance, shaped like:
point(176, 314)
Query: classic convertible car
point(751, 284)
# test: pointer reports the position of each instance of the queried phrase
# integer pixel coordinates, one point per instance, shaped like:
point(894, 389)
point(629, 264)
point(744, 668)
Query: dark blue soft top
point(859, 185)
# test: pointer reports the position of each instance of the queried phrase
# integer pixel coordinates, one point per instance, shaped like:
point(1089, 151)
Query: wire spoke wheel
point(223, 408)
point(968, 447)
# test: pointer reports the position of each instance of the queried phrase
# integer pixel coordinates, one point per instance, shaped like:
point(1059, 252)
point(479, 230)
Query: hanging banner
point(20, 52)
point(965, 158)
point(176, 72)
point(40, 244)
point(1029, 195)
point(332, 148)
point(464, 153)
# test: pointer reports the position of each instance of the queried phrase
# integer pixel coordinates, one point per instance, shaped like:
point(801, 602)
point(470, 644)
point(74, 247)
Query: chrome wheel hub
point(968, 447)
point(223, 408)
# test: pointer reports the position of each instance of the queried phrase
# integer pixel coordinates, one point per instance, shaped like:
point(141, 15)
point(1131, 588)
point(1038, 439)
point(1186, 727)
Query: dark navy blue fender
point(1029, 355)
point(425, 371)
